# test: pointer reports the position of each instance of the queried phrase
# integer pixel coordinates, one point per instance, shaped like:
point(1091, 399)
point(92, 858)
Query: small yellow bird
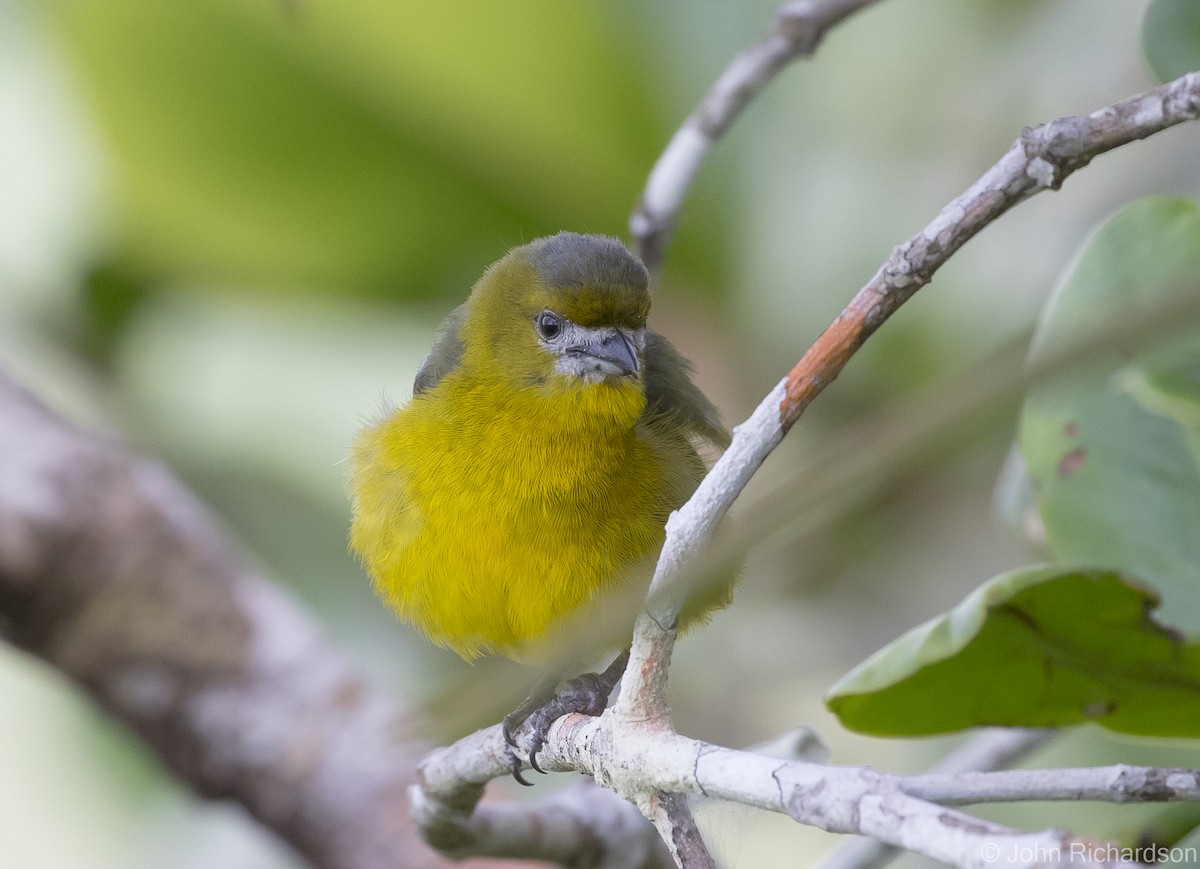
point(549, 437)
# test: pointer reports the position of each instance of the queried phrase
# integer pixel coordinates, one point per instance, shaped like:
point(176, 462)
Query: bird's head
point(561, 313)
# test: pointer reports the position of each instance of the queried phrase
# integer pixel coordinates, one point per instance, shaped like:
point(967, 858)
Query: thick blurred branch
point(112, 572)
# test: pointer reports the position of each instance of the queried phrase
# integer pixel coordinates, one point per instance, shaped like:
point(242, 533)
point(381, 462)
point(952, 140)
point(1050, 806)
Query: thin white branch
point(1115, 784)
point(799, 28)
point(688, 530)
point(1040, 159)
point(640, 760)
point(990, 749)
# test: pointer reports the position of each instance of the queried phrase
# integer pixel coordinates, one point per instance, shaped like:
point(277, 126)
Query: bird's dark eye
point(548, 324)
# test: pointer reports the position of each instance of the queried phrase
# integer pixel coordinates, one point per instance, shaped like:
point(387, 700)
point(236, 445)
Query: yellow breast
point(484, 513)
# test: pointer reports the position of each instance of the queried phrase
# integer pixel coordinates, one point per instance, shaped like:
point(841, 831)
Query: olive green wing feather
point(671, 393)
point(445, 354)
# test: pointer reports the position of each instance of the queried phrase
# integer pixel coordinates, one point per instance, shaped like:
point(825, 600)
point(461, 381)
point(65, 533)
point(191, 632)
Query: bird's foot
point(587, 694)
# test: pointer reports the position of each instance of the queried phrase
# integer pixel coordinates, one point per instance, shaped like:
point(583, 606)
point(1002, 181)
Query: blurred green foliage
point(337, 146)
point(1171, 37)
point(1111, 448)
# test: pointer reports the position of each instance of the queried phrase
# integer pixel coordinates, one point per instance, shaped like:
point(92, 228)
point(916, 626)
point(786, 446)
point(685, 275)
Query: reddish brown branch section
point(824, 360)
point(1040, 159)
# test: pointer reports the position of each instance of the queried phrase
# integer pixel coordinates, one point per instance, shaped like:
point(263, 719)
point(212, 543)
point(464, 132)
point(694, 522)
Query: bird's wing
point(670, 392)
point(445, 354)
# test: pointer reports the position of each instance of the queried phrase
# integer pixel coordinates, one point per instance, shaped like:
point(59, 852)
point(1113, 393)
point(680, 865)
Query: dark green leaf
point(1043, 646)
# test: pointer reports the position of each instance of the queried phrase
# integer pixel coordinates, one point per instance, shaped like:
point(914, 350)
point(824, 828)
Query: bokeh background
point(229, 227)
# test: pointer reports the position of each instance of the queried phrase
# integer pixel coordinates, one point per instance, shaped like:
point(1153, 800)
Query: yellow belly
point(484, 516)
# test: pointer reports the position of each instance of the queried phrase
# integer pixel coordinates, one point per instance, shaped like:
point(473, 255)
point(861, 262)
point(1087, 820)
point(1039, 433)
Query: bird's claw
point(586, 694)
point(514, 766)
point(509, 727)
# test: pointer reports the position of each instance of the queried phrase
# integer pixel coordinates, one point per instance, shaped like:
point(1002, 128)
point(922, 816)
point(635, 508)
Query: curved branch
point(1040, 159)
point(799, 28)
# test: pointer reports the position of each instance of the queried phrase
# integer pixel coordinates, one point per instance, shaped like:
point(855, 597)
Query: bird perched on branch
point(549, 437)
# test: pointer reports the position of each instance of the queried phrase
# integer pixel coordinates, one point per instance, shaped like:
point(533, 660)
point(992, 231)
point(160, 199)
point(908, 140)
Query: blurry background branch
point(112, 572)
point(799, 28)
point(994, 748)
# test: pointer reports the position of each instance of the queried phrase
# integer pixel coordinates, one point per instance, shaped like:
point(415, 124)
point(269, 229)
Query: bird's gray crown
point(573, 260)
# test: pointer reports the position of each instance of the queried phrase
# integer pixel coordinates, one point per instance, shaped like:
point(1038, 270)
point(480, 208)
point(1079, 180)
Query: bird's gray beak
point(611, 350)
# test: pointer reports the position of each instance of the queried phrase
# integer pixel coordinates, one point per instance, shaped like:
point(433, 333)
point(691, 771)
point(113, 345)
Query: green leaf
point(1112, 451)
point(1171, 37)
point(1111, 456)
point(1043, 646)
